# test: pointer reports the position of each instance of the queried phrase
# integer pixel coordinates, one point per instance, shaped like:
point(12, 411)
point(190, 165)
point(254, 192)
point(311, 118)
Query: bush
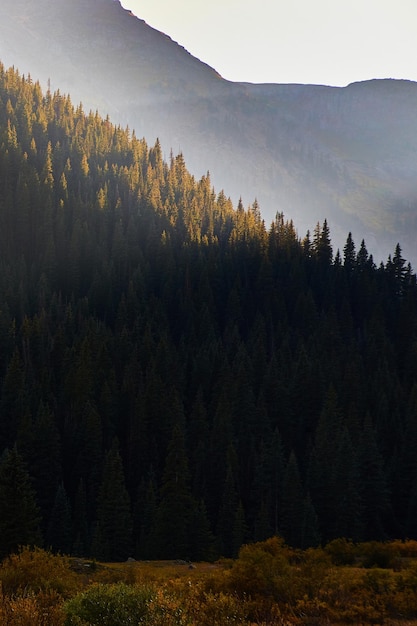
point(109, 605)
point(41, 609)
point(37, 570)
point(341, 551)
point(377, 554)
point(182, 604)
point(262, 569)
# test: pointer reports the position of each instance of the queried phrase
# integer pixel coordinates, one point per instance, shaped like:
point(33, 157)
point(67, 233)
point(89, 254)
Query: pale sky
point(329, 42)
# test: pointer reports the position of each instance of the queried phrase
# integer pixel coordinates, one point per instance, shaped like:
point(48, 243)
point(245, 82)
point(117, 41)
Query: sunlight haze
point(332, 42)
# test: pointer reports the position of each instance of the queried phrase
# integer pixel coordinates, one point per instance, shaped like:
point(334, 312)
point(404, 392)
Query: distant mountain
point(314, 152)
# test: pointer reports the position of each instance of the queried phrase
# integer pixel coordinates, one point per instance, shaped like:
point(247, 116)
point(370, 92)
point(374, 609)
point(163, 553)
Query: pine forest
point(178, 378)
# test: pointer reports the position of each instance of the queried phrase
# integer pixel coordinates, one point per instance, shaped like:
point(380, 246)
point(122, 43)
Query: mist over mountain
point(314, 152)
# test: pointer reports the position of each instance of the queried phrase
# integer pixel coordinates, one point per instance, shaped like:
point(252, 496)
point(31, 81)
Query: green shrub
point(109, 605)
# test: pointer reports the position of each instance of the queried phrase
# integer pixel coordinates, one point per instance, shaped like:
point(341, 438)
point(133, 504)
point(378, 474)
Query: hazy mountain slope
point(313, 152)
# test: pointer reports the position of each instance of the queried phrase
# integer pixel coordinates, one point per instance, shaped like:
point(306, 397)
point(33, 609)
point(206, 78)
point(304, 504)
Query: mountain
point(313, 152)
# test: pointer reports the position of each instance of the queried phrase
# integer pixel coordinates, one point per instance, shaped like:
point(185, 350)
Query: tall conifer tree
point(176, 505)
point(114, 518)
point(20, 516)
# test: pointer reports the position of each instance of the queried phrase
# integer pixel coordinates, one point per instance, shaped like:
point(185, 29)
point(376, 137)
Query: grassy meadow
point(269, 583)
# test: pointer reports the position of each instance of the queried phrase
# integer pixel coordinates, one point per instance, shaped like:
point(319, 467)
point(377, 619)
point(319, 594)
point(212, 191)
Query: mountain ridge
point(347, 154)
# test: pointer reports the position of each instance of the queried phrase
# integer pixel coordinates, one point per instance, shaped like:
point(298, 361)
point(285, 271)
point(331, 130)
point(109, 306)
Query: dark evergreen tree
point(40, 445)
point(229, 508)
point(399, 269)
point(113, 532)
point(374, 488)
point(292, 521)
point(20, 517)
point(58, 536)
point(144, 518)
point(239, 530)
point(14, 402)
point(322, 244)
point(405, 470)
point(81, 535)
point(262, 527)
point(267, 486)
point(176, 507)
point(322, 472)
point(349, 504)
point(198, 437)
point(362, 257)
point(349, 254)
point(311, 533)
point(200, 536)
point(86, 455)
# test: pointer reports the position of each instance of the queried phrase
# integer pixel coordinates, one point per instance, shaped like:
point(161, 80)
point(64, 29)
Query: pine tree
point(20, 517)
point(201, 539)
point(292, 519)
point(399, 269)
point(374, 488)
point(239, 530)
point(81, 539)
point(405, 470)
point(311, 533)
point(14, 401)
point(58, 536)
point(144, 518)
point(40, 445)
point(322, 470)
point(322, 244)
point(228, 508)
point(349, 254)
point(114, 519)
point(176, 506)
point(198, 436)
point(262, 527)
point(348, 521)
point(362, 257)
point(267, 486)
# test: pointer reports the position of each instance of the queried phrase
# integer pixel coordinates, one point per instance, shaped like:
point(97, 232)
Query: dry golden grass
point(269, 584)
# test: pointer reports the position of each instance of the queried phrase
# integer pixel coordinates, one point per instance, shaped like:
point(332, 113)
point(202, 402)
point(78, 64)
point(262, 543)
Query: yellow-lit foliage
point(34, 570)
point(268, 584)
point(262, 569)
point(184, 601)
point(309, 588)
point(41, 609)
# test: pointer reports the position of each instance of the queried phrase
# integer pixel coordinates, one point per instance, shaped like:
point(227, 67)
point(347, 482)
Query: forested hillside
point(176, 377)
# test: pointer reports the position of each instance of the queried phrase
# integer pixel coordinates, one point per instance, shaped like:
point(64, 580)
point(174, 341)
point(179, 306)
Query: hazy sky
point(331, 42)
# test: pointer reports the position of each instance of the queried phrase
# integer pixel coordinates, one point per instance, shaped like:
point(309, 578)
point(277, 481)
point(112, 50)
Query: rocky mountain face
point(313, 152)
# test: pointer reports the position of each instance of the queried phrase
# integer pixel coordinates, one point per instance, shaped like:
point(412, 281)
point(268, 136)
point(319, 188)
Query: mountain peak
point(311, 151)
point(94, 37)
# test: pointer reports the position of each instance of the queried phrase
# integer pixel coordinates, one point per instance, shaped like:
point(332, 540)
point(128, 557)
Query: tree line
point(177, 378)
